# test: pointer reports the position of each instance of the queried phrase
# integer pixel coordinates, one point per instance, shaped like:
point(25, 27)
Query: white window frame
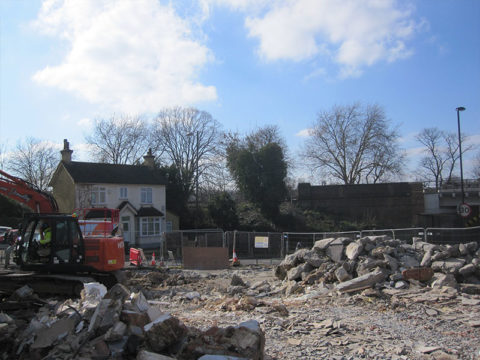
point(123, 193)
point(150, 226)
point(99, 195)
point(146, 196)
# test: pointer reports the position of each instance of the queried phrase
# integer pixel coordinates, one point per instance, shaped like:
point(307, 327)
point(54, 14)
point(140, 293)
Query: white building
point(138, 191)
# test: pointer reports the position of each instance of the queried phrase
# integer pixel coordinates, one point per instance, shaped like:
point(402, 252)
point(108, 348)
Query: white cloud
point(358, 33)
point(85, 123)
point(304, 133)
point(130, 56)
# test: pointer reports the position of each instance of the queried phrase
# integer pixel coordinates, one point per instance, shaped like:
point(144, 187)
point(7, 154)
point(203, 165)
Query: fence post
point(234, 239)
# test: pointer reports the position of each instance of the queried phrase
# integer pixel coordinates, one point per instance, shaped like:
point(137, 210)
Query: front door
point(126, 227)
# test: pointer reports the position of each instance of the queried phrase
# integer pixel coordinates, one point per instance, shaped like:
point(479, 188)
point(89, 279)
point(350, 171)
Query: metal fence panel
point(452, 235)
point(251, 245)
point(269, 245)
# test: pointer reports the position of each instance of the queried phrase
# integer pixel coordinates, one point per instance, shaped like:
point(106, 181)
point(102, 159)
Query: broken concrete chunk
point(154, 312)
point(237, 281)
point(379, 251)
point(467, 270)
point(246, 340)
point(106, 314)
point(392, 263)
point(296, 272)
point(164, 332)
point(409, 261)
point(335, 250)
point(93, 290)
point(139, 302)
point(448, 266)
point(191, 295)
point(342, 274)
point(427, 259)
point(353, 250)
point(5, 318)
point(293, 287)
point(135, 318)
point(440, 280)
point(361, 282)
point(119, 292)
point(313, 258)
point(116, 332)
point(23, 293)
point(58, 330)
point(401, 285)
point(365, 266)
point(321, 245)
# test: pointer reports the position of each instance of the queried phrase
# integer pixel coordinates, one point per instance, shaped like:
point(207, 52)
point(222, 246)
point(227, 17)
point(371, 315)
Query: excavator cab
point(50, 241)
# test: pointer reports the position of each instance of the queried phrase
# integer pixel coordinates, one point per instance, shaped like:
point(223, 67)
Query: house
point(138, 191)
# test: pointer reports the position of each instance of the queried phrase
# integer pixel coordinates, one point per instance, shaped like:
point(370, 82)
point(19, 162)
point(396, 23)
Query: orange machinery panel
point(104, 253)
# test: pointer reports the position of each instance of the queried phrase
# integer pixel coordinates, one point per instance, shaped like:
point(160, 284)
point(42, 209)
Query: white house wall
point(113, 200)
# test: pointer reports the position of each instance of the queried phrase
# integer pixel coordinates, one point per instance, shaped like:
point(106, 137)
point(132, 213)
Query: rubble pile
point(118, 324)
point(353, 265)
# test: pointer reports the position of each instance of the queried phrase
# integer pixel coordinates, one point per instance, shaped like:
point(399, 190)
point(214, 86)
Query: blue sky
point(65, 63)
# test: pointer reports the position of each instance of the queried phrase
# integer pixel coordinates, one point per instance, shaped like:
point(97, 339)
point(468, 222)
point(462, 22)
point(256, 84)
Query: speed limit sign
point(464, 210)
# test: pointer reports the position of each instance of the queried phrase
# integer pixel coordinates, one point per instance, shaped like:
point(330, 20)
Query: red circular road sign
point(464, 210)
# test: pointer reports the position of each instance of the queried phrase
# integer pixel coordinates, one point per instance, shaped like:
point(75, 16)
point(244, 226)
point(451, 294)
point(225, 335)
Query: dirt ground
point(417, 322)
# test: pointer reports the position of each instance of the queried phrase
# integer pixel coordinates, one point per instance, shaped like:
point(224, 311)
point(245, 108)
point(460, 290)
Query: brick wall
point(390, 205)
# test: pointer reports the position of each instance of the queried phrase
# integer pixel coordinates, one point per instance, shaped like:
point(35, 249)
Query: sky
point(66, 63)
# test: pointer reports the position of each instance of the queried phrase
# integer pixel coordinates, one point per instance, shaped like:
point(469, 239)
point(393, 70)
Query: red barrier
point(135, 257)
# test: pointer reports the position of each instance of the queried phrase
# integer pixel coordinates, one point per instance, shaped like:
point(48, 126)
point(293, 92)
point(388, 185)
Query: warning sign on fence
point(261, 242)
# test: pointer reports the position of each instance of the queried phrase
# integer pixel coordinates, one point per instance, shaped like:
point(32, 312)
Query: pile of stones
point(352, 265)
point(119, 324)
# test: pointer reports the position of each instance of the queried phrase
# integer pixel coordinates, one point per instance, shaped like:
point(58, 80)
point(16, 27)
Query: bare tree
point(476, 166)
point(441, 154)
point(435, 159)
point(191, 141)
point(120, 140)
point(354, 144)
point(34, 161)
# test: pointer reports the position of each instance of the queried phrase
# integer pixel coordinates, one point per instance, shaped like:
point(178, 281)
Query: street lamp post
point(461, 108)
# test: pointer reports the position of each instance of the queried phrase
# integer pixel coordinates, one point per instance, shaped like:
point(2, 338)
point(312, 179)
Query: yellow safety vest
point(47, 237)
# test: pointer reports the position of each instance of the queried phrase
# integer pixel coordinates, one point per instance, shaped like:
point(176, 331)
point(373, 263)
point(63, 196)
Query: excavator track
point(50, 284)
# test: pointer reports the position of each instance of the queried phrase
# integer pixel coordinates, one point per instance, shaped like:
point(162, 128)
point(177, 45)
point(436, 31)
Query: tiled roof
point(149, 211)
point(97, 173)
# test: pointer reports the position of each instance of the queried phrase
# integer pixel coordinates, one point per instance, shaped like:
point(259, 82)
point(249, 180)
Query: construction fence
point(275, 245)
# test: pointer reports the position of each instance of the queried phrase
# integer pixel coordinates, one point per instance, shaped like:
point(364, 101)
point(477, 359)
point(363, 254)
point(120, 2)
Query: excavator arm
point(26, 193)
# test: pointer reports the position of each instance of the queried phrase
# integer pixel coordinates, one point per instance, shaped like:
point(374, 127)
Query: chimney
point(66, 152)
point(149, 159)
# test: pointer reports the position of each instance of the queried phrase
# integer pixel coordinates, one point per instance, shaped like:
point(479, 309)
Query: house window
point(169, 226)
point(123, 193)
point(99, 195)
point(150, 226)
point(146, 196)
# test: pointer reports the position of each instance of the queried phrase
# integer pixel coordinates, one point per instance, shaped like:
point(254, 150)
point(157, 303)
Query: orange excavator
point(55, 243)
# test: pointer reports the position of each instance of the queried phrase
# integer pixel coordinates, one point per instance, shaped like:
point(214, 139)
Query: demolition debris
point(374, 297)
